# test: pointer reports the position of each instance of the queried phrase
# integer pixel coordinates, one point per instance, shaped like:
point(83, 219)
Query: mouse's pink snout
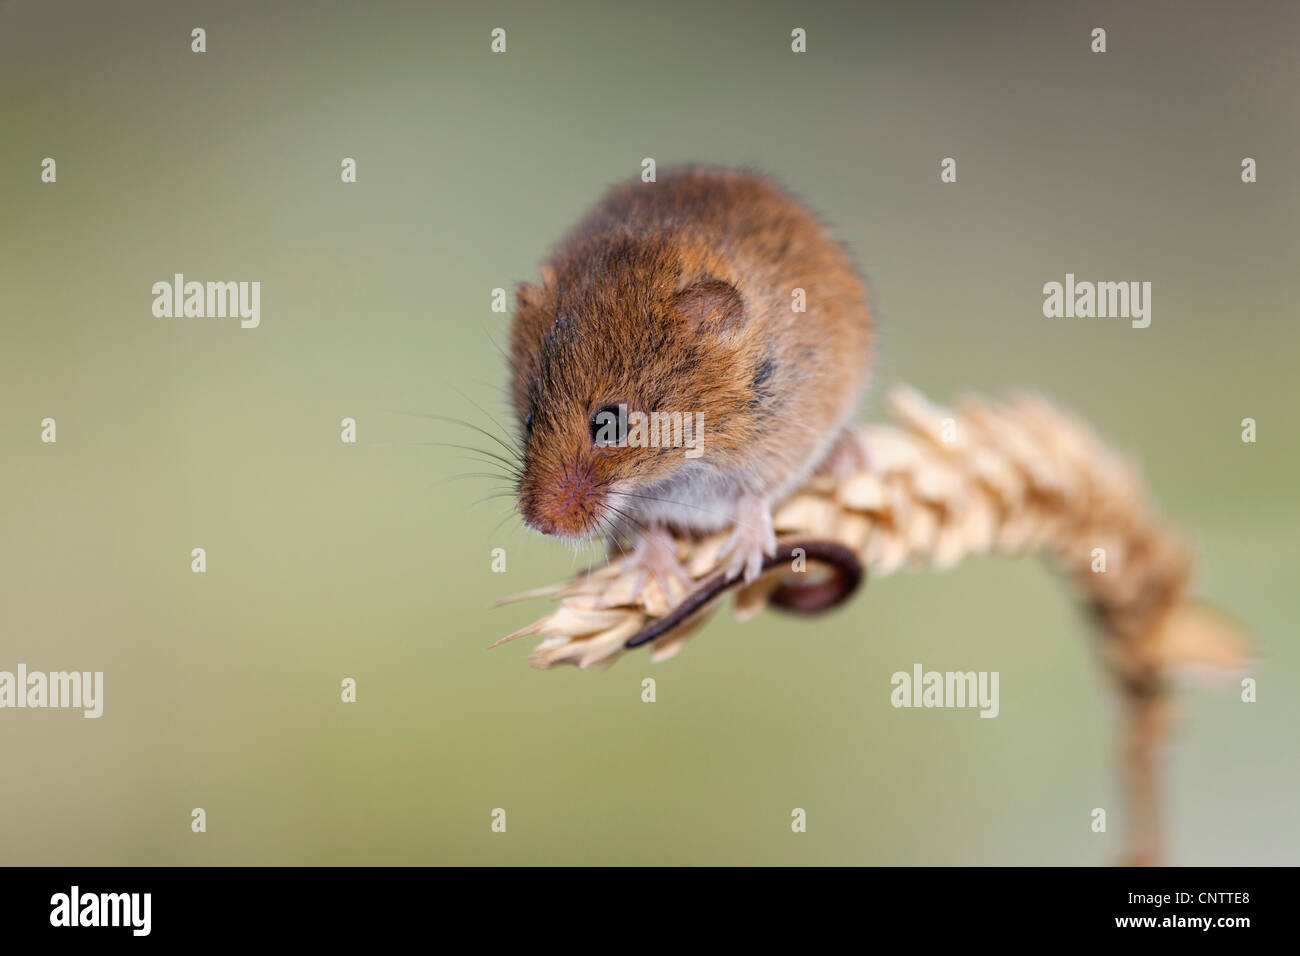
point(569, 503)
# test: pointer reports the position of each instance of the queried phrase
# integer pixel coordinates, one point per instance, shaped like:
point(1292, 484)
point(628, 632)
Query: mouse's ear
point(711, 306)
point(527, 296)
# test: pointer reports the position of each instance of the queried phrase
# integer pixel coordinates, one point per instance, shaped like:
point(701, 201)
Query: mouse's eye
point(609, 425)
point(528, 423)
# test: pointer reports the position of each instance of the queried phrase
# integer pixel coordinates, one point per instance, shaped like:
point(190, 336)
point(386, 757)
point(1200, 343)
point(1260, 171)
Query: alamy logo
point(1102, 300)
point(102, 909)
point(615, 425)
point(208, 300)
point(946, 689)
point(84, 689)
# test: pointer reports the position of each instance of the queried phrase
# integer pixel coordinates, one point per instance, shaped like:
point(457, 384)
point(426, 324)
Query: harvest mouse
point(681, 297)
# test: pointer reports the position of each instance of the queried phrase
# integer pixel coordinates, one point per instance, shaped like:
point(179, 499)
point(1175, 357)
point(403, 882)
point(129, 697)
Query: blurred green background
point(328, 561)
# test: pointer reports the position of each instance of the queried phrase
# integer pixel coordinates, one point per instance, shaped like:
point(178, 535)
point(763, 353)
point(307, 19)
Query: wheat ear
point(934, 488)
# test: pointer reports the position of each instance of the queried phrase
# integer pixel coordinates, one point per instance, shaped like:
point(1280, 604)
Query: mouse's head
point(628, 365)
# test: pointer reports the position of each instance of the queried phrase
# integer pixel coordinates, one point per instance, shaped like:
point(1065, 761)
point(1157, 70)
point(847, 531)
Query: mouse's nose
point(543, 525)
point(568, 504)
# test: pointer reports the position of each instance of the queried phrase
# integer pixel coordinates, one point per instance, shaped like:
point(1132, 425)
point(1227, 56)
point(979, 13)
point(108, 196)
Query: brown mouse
point(677, 297)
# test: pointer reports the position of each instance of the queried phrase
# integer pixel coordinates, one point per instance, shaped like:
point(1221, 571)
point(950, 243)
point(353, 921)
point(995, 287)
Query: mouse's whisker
point(667, 501)
point(508, 462)
point(627, 515)
point(500, 494)
point(467, 474)
point(495, 471)
point(612, 535)
point(510, 512)
point(512, 449)
point(492, 418)
point(501, 469)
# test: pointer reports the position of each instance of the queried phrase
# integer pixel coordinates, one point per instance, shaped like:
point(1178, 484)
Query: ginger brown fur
point(676, 296)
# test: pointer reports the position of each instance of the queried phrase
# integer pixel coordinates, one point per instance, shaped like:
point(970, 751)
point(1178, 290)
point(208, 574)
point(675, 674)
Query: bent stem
point(936, 487)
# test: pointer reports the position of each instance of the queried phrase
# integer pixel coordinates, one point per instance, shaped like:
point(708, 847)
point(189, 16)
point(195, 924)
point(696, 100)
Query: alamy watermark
point(66, 689)
point(922, 688)
point(76, 908)
point(1102, 300)
point(614, 425)
point(208, 300)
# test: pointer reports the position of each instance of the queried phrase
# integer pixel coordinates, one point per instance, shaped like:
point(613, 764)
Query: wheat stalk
point(934, 488)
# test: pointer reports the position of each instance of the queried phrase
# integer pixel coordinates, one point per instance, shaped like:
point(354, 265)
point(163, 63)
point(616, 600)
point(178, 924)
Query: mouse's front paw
point(752, 540)
point(655, 559)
